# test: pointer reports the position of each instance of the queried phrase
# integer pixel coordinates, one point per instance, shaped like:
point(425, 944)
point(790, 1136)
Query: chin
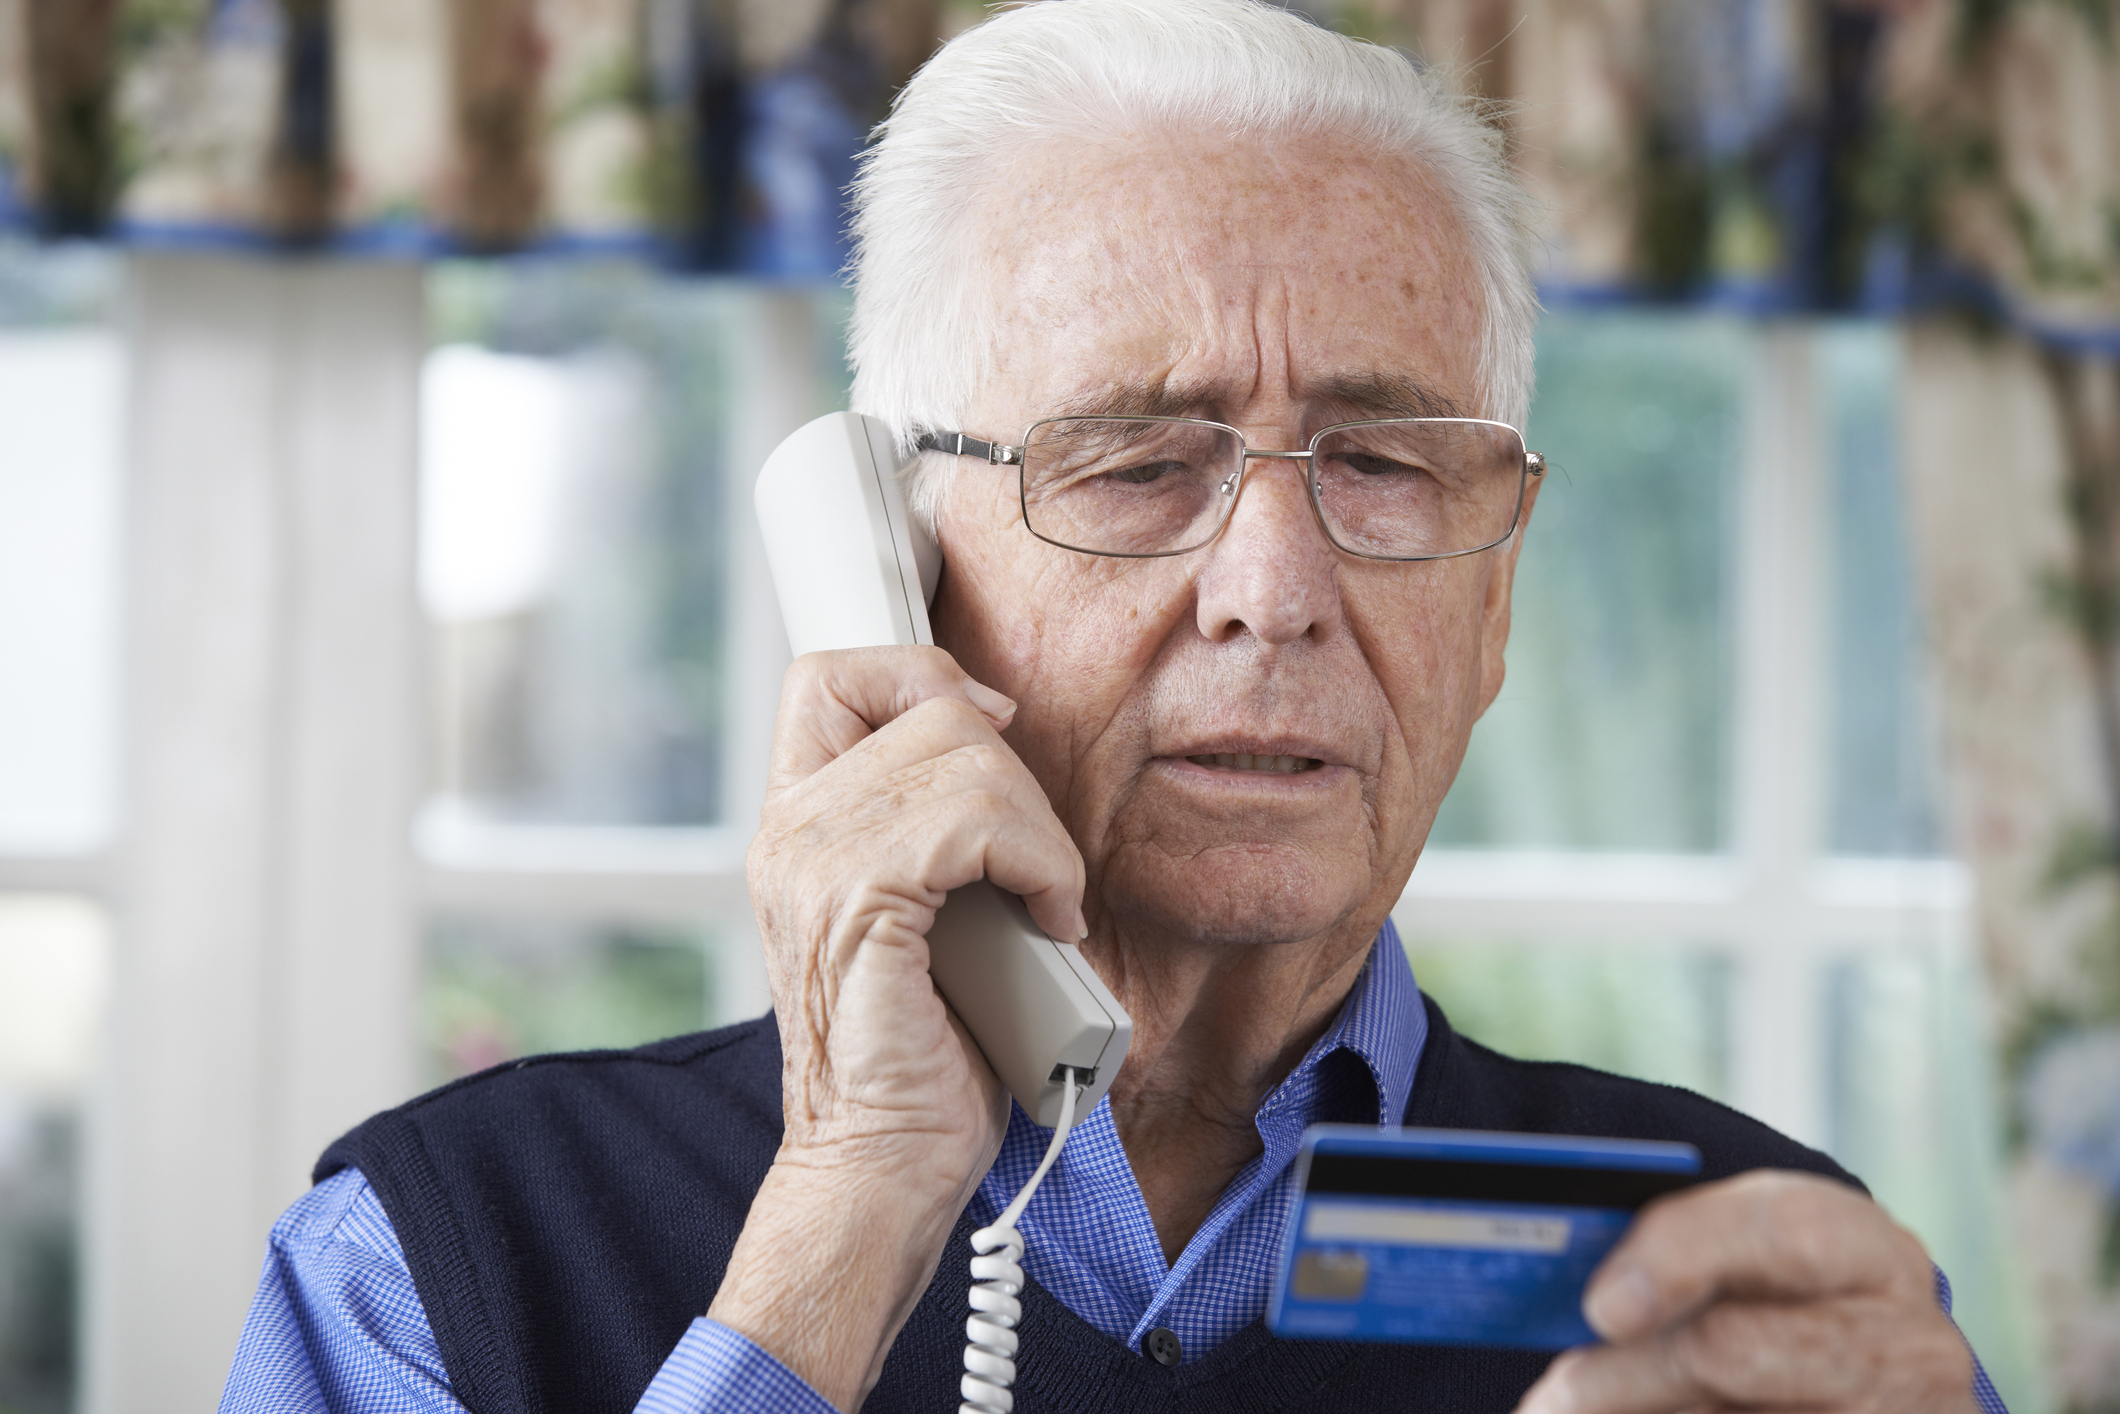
point(1231, 895)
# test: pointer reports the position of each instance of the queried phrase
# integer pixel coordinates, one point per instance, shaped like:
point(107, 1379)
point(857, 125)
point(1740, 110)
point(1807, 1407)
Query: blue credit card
point(1458, 1236)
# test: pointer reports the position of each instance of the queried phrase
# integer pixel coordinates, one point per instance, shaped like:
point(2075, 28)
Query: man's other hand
point(1768, 1291)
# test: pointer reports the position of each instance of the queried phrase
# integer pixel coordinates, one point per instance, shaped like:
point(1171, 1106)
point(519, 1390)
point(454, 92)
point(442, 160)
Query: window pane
point(54, 968)
point(575, 520)
point(1884, 764)
point(1657, 1011)
point(1912, 1111)
point(499, 987)
point(61, 436)
point(1612, 730)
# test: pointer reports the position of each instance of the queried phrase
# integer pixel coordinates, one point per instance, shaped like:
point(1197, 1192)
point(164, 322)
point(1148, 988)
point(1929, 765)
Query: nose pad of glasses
point(1229, 483)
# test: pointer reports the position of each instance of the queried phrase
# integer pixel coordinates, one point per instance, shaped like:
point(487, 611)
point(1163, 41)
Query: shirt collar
point(1383, 1023)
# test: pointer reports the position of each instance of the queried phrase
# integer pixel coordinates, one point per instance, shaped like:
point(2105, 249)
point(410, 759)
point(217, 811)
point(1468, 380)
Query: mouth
point(1267, 765)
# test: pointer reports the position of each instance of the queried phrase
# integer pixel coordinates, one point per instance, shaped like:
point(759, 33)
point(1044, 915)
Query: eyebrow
point(1349, 396)
point(1385, 395)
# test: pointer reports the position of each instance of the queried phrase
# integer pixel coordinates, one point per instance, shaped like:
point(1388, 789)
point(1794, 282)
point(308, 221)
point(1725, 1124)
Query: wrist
point(832, 1259)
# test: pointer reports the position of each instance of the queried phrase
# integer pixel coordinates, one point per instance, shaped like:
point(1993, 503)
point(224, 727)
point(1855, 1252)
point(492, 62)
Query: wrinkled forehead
point(1230, 275)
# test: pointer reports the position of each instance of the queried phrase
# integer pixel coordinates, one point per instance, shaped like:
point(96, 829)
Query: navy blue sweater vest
point(566, 1217)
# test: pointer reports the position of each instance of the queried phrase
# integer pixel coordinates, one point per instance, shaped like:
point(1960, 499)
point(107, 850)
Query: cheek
point(1068, 636)
point(1423, 637)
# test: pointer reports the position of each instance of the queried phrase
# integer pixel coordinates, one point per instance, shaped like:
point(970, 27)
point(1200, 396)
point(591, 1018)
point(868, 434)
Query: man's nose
point(1270, 571)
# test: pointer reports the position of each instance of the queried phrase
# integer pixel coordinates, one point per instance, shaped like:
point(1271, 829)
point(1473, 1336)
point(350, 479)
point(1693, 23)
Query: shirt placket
point(1280, 1124)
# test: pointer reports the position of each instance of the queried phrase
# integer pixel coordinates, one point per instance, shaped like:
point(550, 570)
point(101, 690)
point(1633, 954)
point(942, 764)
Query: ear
point(1494, 615)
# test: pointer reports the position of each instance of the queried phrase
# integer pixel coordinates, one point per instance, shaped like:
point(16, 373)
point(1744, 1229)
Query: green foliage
point(1380, 24)
point(2096, 17)
point(1902, 175)
point(2086, 851)
point(498, 989)
point(619, 83)
point(1650, 1011)
point(1978, 20)
point(2109, 1249)
point(2046, 261)
point(39, 1264)
point(1673, 213)
point(145, 25)
point(2032, 1029)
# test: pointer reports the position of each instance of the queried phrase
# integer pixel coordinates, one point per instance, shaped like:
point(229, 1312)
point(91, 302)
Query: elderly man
point(1203, 731)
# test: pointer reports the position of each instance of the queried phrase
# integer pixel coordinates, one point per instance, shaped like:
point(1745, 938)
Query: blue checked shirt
point(337, 1325)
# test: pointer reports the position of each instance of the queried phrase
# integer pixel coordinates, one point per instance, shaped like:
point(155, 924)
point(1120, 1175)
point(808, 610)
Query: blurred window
point(1884, 779)
point(1697, 838)
point(571, 542)
point(586, 445)
point(1613, 729)
point(1718, 729)
point(54, 969)
point(61, 403)
point(61, 441)
point(501, 986)
point(1652, 1009)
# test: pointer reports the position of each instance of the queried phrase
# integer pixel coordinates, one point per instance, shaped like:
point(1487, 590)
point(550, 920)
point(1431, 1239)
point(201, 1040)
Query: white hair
point(923, 335)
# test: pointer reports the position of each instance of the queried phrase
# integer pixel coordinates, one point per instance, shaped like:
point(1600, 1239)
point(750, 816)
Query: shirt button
point(1162, 1346)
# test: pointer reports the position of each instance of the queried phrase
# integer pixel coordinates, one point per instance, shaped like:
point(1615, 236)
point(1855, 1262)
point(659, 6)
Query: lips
point(1245, 761)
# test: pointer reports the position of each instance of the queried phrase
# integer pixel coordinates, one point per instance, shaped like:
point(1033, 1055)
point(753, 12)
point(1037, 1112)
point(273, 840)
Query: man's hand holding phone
point(890, 785)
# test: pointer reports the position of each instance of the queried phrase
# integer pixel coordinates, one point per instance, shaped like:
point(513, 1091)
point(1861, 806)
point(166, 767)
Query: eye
point(1146, 472)
point(1370, 464)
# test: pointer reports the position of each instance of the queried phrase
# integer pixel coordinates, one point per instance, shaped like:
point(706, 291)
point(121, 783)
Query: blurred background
point(387, 663)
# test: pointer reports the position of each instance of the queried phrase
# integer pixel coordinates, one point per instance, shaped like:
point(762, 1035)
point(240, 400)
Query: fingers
point(910, 806)
point(891, 758)
point(1000, 827)
point(1867, 1352)
point(832, 701)
point(1768, 1291)
point(1762, 1234)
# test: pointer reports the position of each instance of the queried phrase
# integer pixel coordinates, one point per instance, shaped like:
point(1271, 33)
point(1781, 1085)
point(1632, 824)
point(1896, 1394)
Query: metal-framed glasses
point(1395, 488)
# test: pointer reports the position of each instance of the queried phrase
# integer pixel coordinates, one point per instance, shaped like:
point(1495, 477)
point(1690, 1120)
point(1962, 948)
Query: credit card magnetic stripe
point(1387, 1176)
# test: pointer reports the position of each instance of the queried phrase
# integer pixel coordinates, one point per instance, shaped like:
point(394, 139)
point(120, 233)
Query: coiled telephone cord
point(997, 1280)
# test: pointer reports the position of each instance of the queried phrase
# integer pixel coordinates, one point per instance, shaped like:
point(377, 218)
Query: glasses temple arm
point(956, 444)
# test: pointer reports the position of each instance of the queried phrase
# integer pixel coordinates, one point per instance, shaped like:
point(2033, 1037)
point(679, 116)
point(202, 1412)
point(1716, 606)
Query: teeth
point(1240, 761)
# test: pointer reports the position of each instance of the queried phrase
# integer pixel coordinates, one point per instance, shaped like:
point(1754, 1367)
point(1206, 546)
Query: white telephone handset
point(854, 571)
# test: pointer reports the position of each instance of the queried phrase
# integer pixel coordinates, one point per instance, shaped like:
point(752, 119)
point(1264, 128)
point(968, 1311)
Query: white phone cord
point(997, 1280)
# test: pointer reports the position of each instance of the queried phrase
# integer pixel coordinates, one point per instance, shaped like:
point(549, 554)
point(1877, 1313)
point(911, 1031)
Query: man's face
point(1277, 288)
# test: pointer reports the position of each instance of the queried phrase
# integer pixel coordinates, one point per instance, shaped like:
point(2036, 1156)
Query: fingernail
point(987, 700)
point(1081, 926)
point(1621, 1305)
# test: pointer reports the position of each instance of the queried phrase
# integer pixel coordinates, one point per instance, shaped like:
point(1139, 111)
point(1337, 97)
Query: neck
point(1216, 1027)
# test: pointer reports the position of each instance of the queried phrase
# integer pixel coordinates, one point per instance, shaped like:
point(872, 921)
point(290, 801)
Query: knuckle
point(1722, 1348)
point(949, 715)
point(1895, 1362)
point(985, 808)
point(934, 661)
point(989, 761)
point(807, 674)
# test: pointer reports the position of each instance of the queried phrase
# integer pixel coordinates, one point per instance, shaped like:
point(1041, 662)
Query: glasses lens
point(1407, 490)
point(1126, 486)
